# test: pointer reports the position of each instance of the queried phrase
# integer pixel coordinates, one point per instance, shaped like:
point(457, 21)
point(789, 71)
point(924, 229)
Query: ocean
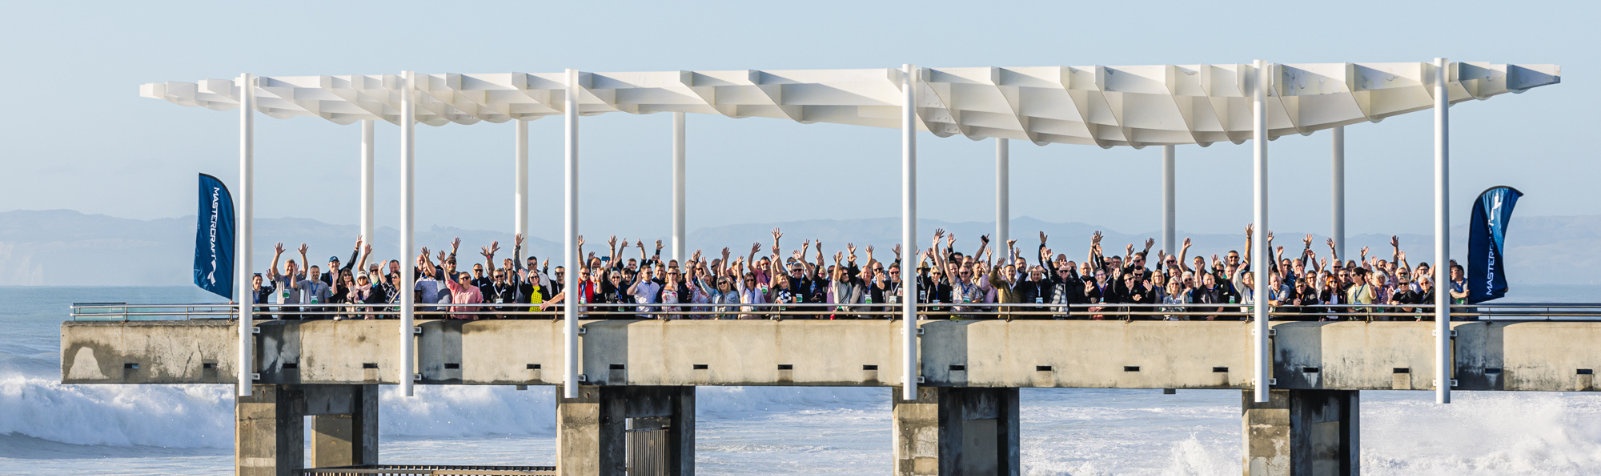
point(47, 428)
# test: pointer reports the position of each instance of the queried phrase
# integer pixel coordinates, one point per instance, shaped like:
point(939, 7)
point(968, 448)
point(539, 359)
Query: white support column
point(245, 214)
point(408, 225)
point(1261, 259)
point(909, 228)
point(1003, 190)
point(366, 181)
point(520, 167)
point(1169, 210)
point(1338, 174)
point(678, 187)
point(1442, 231)
point(570, 235)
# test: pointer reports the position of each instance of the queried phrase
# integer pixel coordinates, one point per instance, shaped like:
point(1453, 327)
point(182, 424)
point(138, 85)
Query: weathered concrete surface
point(149, 352)
point(345, 424)
point(1095, 354)
point(956, 431)
point(1536, 356)
point(592, 430)
point(755, 352)
point(269, 431)
point(1301, 433)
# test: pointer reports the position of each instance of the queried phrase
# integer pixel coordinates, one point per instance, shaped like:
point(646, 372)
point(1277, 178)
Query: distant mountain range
point(68, 248)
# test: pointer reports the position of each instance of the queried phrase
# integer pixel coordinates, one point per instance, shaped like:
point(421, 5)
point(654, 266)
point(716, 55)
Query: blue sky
point(78, 136)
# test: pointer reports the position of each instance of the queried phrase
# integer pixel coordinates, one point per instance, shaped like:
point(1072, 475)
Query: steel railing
point(1096, 311)
point(429, 469)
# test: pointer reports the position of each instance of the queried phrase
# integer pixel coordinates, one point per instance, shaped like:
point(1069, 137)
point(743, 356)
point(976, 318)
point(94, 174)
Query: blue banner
point(1492, 212)
point(214, 238)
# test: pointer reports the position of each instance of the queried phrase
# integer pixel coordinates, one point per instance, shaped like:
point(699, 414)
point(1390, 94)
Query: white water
point(51, 429)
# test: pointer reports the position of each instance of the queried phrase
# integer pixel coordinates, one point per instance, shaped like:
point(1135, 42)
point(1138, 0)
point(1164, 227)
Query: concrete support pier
point(956, 431)
point(626, 430)
point(1302, 432)
point(269, 427)
point(344, 424)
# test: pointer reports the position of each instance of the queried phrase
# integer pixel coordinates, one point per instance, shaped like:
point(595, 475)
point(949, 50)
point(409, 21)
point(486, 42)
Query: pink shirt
point(464, 295)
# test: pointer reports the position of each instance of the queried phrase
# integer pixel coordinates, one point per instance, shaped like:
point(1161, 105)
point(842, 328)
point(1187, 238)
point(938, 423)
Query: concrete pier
point(1302, 433)
point(636, 409)
point(626, 430)
point(269, 428)
point(956, 431)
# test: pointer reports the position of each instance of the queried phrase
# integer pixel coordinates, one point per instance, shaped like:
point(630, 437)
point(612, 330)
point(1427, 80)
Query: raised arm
point(353, 256)
point(1250, 230)
point(366, 252)
point(1184, 254)
point(277, 251)
point(303, 263)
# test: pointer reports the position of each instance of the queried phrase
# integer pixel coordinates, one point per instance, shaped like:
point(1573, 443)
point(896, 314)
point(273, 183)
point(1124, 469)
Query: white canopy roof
point(1100, 105)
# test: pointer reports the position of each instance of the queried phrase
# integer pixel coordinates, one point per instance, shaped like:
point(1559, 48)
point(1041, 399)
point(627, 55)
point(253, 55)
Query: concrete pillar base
point(345, 424)
point(1302, 432)
point(626, 430)
point(269, 431)
point(956, 431)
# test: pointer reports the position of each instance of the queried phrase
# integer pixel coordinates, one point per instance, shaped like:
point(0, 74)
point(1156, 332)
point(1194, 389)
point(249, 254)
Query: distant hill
point(68, 248)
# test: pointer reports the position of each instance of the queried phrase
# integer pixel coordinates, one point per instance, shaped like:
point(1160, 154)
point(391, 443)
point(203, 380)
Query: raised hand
point(519, 242)
point(485, 253)
point(985, 239)
point(612, 242)
point(1095, 239)
point(754, 247)
point(442, 256)
point(1401, 255)
point(658, 245)
point(851, 247)
point(950, 240)
point(639, 244)
point(546, 264)
point(424, 252)
point(303, 248)
point(1129, 249)
point(939, 232)
point(358, 242)
point(838, 255)
point(1012, 243)
point(1364, 251)
point(777, 234)
point(897, 250)
point(1395, 241)
point(1250, 228)
point(1269, 237)
point(494, 247)
point(1042, 237)
point(455, 244)
point(366, 250)
point(1149, 242)
point(278, 248)
point(1331, 243)
point(806, 244)
point(1308, 240)
point(725, 253)
point(580, 240)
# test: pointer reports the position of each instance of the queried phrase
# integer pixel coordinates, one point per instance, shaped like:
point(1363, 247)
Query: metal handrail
point(429, 469)
point(1125, 311)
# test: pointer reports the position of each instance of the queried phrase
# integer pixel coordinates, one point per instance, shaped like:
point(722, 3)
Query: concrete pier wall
point(1529, 356)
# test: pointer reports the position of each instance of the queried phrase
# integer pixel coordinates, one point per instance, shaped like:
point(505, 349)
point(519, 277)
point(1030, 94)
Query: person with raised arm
point(290, 294)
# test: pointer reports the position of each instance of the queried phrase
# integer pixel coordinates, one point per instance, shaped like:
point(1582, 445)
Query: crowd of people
point(1304, 285)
